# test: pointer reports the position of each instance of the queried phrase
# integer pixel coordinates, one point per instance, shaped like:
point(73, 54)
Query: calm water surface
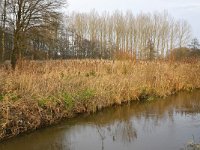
point(164, 124)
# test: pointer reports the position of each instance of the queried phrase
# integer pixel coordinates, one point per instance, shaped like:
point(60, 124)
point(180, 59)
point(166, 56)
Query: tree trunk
point(14, 58)
point(16, 51)
point(3, 30)
point(3, 46)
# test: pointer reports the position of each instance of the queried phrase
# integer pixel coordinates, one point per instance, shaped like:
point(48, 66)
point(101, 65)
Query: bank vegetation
point(41, 93)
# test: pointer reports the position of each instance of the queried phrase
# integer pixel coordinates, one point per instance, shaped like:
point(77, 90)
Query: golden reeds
point(41, 93)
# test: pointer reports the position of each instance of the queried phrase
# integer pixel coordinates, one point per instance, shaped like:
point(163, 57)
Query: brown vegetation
point(184, 54)
point(38, 94)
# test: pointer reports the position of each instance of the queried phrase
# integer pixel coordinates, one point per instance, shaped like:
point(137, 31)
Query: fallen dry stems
point(40, 93)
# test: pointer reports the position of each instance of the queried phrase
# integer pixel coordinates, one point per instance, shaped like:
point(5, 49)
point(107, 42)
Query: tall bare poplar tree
point(144, 36)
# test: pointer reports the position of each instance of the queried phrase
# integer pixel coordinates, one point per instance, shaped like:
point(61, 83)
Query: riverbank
point(39, 94)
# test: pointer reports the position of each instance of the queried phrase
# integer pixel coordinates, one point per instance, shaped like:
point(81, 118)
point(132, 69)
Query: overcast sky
point(181, 9)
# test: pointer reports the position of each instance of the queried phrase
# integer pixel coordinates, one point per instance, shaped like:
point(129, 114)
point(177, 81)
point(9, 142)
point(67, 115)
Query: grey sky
point(181, 9)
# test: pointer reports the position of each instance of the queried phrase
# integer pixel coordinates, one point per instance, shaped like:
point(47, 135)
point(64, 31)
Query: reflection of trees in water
point(120, 131)
point(61, 143)
point(60, 146)
point(191, 145)
point(125, 132)
point(123, 123)
point(102, 135)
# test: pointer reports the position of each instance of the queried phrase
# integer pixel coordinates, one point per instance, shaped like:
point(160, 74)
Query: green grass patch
point(86, 94)
point(1, 97)
point(10, 96)
point(68, 99)
point(42, 102)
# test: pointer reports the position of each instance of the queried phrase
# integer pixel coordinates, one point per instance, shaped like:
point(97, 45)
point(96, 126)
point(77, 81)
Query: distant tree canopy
point(194, 45)
point(36, 29)
point(183, 53)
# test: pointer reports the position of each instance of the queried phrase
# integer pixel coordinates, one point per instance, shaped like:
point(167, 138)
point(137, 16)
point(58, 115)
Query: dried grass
point(38, 93)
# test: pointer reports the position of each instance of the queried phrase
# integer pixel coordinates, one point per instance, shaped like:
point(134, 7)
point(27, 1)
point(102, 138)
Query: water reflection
point(162, 124)
point(191, 145)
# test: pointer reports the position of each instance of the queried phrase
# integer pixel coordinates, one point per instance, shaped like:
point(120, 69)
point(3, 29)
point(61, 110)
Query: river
point(162, 124)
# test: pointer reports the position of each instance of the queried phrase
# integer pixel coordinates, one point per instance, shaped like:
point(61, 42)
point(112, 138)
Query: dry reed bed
point(39, 94)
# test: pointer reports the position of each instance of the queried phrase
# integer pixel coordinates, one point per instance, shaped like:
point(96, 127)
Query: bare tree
point(120, 33)
point(194, 45)
point(23, 16)
point(184, 33)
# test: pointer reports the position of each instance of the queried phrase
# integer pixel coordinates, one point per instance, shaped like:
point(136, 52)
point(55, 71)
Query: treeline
point(146, 36)
point(35, 29)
